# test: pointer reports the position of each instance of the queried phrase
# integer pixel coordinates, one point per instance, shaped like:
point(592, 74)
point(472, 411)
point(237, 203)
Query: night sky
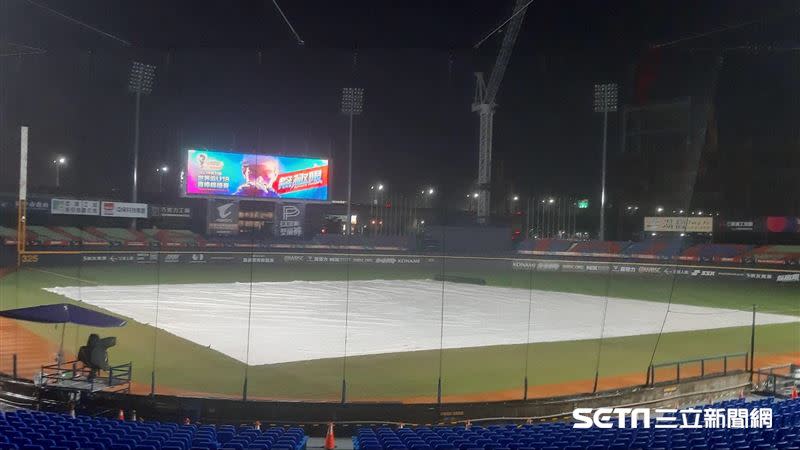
point(231, 77)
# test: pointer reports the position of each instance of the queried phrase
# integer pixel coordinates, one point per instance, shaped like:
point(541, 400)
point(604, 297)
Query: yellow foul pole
point(23, 193)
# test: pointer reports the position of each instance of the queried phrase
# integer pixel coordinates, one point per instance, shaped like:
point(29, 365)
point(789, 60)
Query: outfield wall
point(434, 263)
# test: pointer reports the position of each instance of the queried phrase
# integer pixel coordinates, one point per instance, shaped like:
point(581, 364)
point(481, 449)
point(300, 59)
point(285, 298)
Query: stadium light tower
point(161, 171)
point(352, 105)
point(605, 101)
point(140, 82)
point(58, 162)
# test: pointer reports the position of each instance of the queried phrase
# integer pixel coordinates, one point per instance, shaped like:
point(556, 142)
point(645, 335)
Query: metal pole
point(603, 189)
point(136, 151)
point(752, 342)
point(58, 183)
point(349, 175)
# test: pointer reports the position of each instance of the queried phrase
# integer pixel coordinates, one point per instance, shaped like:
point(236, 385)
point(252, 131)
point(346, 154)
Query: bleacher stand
point(82, 236)
point(784, 434)
point(655, 249)
point(48, 235)
point(599, 248)
point(775, 254)
point(543, 246)
point(715, 252)
point(34, 430)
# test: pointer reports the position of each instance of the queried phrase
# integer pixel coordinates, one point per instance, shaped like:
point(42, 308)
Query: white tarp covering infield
point(304, 320)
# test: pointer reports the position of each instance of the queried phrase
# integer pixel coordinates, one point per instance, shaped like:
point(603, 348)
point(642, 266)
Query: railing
point(777, 381)
point(76, 375)
point(697, 368)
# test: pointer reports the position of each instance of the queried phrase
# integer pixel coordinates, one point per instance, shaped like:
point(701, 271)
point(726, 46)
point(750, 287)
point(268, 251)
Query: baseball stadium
point(253, 244)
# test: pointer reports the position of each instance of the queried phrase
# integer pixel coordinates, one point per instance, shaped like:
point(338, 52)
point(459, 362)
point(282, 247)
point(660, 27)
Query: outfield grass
point(188, 366)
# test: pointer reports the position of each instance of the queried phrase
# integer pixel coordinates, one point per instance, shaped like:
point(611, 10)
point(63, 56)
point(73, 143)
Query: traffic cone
point(121, 415)
point(330, 440)
point(468, 425)
point(794, 392)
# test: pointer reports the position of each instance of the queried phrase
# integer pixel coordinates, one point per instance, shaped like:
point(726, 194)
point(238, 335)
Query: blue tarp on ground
point(64, 313)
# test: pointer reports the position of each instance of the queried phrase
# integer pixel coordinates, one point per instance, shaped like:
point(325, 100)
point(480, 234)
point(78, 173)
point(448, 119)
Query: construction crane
point(484, 105)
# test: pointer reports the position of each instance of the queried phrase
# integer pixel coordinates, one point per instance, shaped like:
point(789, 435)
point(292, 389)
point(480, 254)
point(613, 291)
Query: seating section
point(716, 252)
point(784, 434)
point(776, 254)
point(7, 234)
point(83, 235)
point(655, 249)
point(33, 430)
point(48, 234)
point(183, 238)
point(120, 235)
point(546, 245)
point(599, 247)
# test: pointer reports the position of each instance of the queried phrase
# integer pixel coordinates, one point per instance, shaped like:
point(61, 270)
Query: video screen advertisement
point(213, 173)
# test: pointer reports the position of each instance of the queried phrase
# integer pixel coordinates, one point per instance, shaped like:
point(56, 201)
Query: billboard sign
point(781, 224)
point(679, 224)
point(290, 218)
point(739, 225)
point(170, 211)
point(222, 174)
point(75, 207)
point(120, 209)
point(222, 218)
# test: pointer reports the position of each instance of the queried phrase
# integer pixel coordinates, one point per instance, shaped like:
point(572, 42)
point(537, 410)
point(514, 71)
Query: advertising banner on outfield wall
point(121, 209)
point(75, 207)
point(679, 224)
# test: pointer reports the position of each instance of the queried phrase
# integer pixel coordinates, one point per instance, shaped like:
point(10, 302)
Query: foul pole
point(23, 193)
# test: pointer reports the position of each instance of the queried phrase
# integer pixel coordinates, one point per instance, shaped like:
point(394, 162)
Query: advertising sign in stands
point(222, 217)
point(679, 224)
point(739, 225)
point(170, 211)
point(121, 209)
point(290, 219)
point(75, 207)
point(781, 224)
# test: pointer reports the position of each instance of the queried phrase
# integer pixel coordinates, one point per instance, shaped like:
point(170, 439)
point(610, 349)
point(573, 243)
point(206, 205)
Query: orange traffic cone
point(121, 415)
point(330, 440)
point(794, 392)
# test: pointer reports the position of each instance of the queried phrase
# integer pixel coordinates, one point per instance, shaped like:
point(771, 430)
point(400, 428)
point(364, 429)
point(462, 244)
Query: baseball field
point(295, 331)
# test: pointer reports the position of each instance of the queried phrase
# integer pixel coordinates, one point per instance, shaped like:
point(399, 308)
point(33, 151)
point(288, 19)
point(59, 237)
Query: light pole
point(352, 105)
point(58, 162)
point(140, 82)
point(161, 171)
point(605, 101)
